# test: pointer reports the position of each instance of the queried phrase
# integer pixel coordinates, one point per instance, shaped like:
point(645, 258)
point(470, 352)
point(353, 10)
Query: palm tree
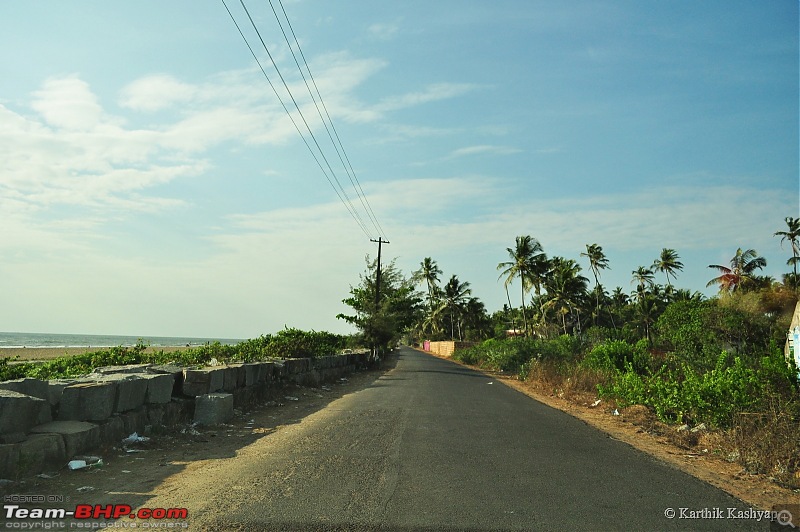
point(597, 262)
point(454, 296)
point(429, 272)
point(793, 236)
point(741, 272)
point(565, 287)
point(668, 264)
point(527, 259)
point(643, 277)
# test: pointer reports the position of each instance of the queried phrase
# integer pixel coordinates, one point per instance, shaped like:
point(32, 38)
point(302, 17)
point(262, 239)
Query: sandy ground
point(48, 353)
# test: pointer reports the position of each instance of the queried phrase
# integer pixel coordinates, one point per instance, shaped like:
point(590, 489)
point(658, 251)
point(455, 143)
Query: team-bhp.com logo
point(96, 511)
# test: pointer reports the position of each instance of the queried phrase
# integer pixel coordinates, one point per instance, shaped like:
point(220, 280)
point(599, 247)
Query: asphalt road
point(434, 446)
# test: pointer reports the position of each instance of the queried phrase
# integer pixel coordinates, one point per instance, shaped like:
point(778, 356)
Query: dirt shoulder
point(697, 455)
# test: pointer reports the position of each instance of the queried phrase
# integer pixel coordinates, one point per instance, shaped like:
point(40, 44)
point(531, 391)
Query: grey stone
point(231, 378)
point(13, 437)
point(265, 371)
point(196, 382)
point(87, 401)
point(159, 388)
point(131, 368)
point(41, 450)
point(131, 390)
point(27, 386)
point(113, 430)
point(213, 408)
point(251, 373)
point(9, 458)
point(78, 436)
point(18, 412)
point(55, 389)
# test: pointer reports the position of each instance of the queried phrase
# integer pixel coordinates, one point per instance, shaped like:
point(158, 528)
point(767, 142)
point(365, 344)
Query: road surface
point(432, 445)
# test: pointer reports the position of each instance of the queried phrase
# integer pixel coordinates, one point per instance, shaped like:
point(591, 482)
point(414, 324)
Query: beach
point(49, 353)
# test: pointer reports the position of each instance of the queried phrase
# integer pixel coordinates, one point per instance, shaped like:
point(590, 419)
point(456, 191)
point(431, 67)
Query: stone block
point(297, 365)
point(27, 386)
point(203, 381)
point(9, 458)
point(40, 451)
point(87, 401)
point(113, 430)
point(131, 390)
point(213, 408)
point(130, 368)
point(159, 388)
point(78, 436)
point(134, 421)
point(265, 371)
point(231, 378)
point(18, 412)
point(251, 373)
point(278, 370)
point(55, 389)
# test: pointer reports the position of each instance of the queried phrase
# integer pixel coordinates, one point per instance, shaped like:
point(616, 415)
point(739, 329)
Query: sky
point(151, 183)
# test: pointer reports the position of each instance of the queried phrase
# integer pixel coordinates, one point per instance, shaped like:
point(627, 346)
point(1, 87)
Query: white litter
point(615, 412)
point(291, 398)
point(76, 464)
point(135, 438)
point(490, 382)
point(84, 489)
point(596, 403)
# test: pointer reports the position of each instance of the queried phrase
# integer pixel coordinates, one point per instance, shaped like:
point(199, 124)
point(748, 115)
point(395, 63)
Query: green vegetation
point(288, 343)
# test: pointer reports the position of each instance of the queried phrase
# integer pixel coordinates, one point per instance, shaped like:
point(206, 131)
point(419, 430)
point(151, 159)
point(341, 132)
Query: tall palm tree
point(668, 264)
point(643, 277)
point(526, 264)
point(565, 288)
point(597, 262)
point(740, 273)
point(454, 296)
point(793, 236)
point(429, 272)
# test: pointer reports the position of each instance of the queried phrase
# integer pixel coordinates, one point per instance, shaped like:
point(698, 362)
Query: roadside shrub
point(617, 354)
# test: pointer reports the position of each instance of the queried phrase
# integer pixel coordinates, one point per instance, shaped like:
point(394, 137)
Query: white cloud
point(156, 92)
point(383, 32)
point(483, 149)
point(68, 103)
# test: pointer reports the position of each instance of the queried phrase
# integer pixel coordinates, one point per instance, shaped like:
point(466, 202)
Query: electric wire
point(340, 192)
point(348, 167)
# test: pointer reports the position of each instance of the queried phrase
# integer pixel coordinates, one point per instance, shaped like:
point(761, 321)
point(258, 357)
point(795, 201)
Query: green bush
point(617, 355)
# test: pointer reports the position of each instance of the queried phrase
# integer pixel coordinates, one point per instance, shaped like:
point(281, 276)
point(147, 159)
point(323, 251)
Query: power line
point(348, 167)
point(340, 192)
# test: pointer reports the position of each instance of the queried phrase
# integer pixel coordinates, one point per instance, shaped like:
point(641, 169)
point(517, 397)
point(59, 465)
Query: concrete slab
point(130, 368)
point(55, 388)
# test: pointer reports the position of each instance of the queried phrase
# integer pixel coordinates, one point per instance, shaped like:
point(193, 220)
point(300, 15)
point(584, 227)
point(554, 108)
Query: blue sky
point(151, 183)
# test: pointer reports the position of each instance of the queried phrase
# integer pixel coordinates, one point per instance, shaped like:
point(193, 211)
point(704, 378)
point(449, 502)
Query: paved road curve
point(432, 445)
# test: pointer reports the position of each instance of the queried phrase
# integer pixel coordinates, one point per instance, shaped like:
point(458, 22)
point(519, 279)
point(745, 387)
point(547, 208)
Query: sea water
point(14, 339)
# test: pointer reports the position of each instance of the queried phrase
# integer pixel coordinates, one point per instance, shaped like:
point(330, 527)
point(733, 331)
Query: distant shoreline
point(49, 353)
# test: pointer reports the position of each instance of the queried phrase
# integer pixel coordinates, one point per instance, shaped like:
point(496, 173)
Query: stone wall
point(44, 424)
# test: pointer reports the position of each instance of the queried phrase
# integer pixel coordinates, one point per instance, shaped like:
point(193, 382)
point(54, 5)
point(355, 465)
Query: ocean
point(14, 339)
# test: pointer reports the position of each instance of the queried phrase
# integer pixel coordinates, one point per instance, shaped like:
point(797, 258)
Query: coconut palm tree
point(668, 264)
point(526, 264)
point(597, 262)
point(643, 277)
point(740, 273)
point(429, 272)
point(793, 236)
point(566, 288)
point(454, 296)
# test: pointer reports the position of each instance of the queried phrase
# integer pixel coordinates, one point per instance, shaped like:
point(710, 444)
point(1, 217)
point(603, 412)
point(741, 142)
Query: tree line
point(555, 296)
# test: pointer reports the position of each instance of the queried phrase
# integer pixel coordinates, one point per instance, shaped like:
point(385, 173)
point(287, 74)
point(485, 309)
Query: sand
point(48, 353)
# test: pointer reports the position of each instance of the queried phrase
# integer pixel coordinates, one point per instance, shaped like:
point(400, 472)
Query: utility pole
point(378, 274)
